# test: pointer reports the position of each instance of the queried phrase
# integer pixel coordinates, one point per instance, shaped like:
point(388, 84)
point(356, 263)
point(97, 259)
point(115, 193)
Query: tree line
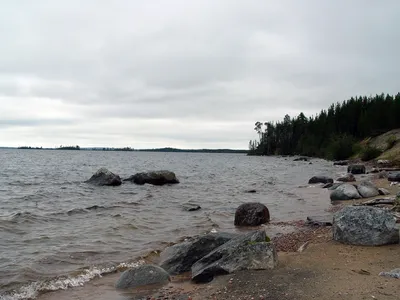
point(333, 132)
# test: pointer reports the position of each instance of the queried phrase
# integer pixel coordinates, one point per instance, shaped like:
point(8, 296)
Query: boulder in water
point(320, 179)
point(394, 176)
point(104, 177)
point(367, 189)
point(141, 276)
point(251, 214)
point(365, 225)
point(179, 258)
point(356, 169)
point(154, 177)
point(251, 251)
point(347, 178)
point(345, 192)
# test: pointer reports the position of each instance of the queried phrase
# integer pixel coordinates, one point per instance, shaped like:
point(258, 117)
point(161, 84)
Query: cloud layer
point(190, 74)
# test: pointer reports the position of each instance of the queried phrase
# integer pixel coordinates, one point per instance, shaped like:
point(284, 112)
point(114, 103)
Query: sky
point(186, 74)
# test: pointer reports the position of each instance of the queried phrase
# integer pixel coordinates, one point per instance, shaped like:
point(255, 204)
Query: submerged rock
point(154, 177)
point(320, 179)
point(364, 225)
point(394, 176)
point(356, 169)
point(345, 192)
point(251, 191)
point(367, 189)
point(179, 258)
point(251, 251)
point(104, 177)
point(347, 178)
point(190, 207)
point(141, 276)
point(251, 214)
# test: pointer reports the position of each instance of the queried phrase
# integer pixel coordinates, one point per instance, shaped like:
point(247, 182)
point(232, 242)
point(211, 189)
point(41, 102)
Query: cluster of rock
point(104, 177)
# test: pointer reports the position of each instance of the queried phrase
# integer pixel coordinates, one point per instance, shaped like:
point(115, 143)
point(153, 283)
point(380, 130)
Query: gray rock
point(320, 179)
point(190, 207)
point(141, 276)
point(341, 163)
point(382, 175)
point(347, 178)
point(251, 214)
point(395, 273)
point(250, 251)
point(104, 177)
point(384, 162)
point(345, 192)
point(356, 169)
point(154, 177)
point(179, 258)
point(394, 176)
point(323, 220)
point(367, 189)
point(365, 225)
point(327, 185)
point(383, 192)
point(335, 186)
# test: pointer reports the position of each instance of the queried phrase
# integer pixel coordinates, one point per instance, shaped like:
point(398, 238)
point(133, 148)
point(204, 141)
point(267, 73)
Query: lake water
point(57, 232)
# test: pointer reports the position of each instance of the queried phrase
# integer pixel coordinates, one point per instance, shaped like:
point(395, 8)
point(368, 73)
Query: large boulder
point(365, 225)
point(367, 189)
point(154, 177)
point(141, 276)
point(394, 176)
point(347, 178)
point(345, 192)
point(251, 214)
point(251, 251)
point(320, 179)
point(356, 169)
point(104, 177)
point(179, 258)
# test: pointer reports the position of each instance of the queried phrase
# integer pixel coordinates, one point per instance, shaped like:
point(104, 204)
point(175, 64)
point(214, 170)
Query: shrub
point(340, 147)
point(390, 142)
point(370, 153)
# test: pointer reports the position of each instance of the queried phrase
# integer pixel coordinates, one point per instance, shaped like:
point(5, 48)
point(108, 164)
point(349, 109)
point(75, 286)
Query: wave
point(32, 290)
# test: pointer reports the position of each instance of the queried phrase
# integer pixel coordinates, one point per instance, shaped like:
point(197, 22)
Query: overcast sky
point(184, 73)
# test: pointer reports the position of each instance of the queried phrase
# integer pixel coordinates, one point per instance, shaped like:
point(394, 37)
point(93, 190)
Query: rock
point(374, 170)
point(251, 214)
point(190, 207)
point(345, 192)
point(367, 189)
point(251, 251)
point(104, 177)
point(302, 158)
point(395, 273)
point(347, 178)
point(179, 258)
point(382, 175)
point(341, 163)
point(384, 162)
point(335, 186)
point(251, 191)
point(323, 220)
point(141, 276)
point(383, 192)
point(394, 176)
point(365, 225)
point(154, 177)
point(320, 179)
point(356, 169)
point(327, 185)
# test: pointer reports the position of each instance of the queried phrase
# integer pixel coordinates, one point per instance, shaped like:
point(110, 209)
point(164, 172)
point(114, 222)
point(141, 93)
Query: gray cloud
point(184, 73)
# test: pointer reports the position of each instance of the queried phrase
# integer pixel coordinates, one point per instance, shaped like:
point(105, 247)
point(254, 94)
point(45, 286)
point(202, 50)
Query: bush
point(370, 153)
point(390, 142)
point(340, 147)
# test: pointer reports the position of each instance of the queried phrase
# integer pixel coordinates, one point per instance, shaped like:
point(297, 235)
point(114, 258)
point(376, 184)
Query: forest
point(333, 133)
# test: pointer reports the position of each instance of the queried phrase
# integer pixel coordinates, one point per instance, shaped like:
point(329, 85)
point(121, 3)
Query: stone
point(383, 191)
point(154, 177)
point(347, 178)
point(365, 225)
point(251, 251)
point(323, 220)
point(190, 207)
point(341, 163)
point(395, 273)
point(367, 189)
point(394, 176)
point(335, 186)
point(251, 191)
point(251, 214)
point(104, 177)
point(345, 192)
point(179, 258)
point(384, 162)
point(142, 276)
point(302, 158)
point(320, 179)
point(356, 169)
point(327, 185)
point(382, 175)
